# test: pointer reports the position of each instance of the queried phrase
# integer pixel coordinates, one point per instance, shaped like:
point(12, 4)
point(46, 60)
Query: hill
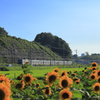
point(55, 43)
point(13, 49)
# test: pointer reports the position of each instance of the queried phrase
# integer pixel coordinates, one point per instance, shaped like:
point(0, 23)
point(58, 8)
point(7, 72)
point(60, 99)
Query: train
point(44, 62)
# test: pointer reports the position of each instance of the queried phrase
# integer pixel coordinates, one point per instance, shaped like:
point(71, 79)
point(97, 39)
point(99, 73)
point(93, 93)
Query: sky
point(75, 21)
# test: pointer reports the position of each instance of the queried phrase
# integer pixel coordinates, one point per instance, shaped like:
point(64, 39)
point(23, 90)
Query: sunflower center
point(92, 77)
point(64, 83)
point(19, 85)
point(99, 80)
point(94, 68)
point(2, 95)
point(93, 65)
point(56, 70)
point(62, 74)
point(73, 74)
point(98, 73)
point(96, 88)
point(75, 79)
point(77, 82)
point(52, 78)
point(47, 91)
point(27, 79)
point(37, 85)
point(65, 95)
point(1, 81)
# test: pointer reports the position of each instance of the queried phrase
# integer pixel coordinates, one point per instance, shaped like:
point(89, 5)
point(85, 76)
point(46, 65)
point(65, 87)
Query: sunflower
point(34, 79)
point(4, 92)
point(98, 72)
point(47, 91)
point(51, 77)
point(2, 75)
point(84, 71)
point(37, 85)
point(65, 95)
point(94, 71)
point(12, 82)
point(5, 81)
point(20, 85)
point(96, 87)
point(56, 70)
point(77, 81)
point(28, 79)
point(92, 76)
point(7, 98)
point(98, 79)
point(74, 74)
point(20, 76)
point(75, 71)
point(64, 73)
point(65, 82)
point(94, 64)
point(85, 68)
point(93, 68)
point(69, 72)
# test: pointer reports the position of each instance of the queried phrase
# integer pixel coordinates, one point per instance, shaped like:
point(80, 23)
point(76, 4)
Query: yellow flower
point(20, 77)
point(47, 90)
point(96, 87)
point(94, 64)
point(92, 76)
point(37, 85)
point(2, 75)
point(98, 79)
point(20, 85)
point(65, 95)
point(4, 92)
point(28, 78)
point(56, 70)
point(64, 73)
point(74, 74)
point(77, 81)
point(51, 77)
point(98, 72)
point(65, 82)
point(93, 68)
point(75, 78)
point(5, 81)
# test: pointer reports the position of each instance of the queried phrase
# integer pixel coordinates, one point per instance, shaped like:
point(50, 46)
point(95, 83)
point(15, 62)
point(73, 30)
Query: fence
point(35, 57)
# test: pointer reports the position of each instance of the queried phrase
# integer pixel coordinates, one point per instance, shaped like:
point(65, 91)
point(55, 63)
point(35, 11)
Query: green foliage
point(26, 68)
point(55, 43)
point(91, 57)
point(82, 91)
point(13, 49)
point(3, 32)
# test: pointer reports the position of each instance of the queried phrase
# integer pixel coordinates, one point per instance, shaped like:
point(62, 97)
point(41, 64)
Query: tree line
point(55, 43)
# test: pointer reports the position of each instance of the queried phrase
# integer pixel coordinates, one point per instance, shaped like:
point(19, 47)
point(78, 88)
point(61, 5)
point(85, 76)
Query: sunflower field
point(54, 85)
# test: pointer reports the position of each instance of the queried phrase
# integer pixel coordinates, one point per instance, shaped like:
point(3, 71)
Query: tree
point(3, 32)
point(55, 43)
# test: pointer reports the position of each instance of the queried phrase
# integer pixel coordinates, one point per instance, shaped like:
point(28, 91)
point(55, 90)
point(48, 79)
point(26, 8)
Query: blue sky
point(75, 21)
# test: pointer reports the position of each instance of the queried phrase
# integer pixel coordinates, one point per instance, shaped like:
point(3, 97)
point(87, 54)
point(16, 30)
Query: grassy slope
point(21, 48)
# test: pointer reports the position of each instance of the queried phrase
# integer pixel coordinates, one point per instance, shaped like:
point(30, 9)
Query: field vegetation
point(72, 82)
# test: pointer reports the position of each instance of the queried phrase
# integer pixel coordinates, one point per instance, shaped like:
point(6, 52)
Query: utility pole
point(76, 52)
